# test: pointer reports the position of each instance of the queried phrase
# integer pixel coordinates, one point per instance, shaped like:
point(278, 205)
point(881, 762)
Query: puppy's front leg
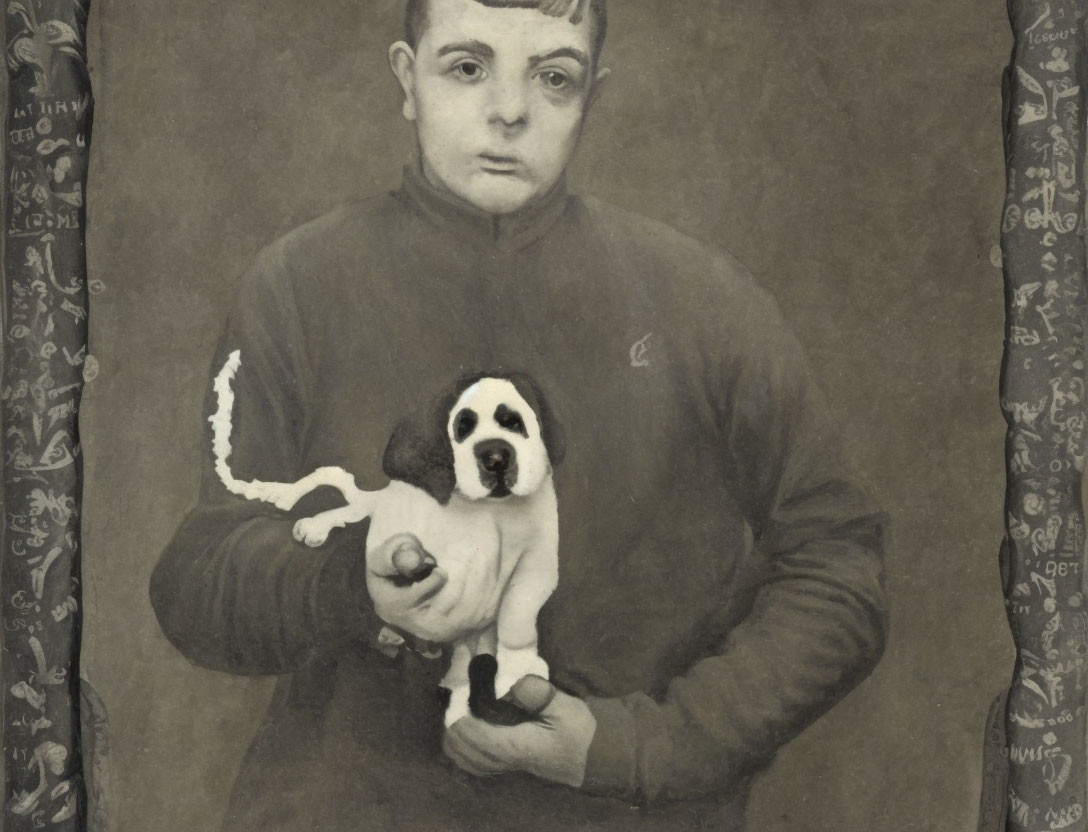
point(532, 583)
point(517, 663)
point(456, 681)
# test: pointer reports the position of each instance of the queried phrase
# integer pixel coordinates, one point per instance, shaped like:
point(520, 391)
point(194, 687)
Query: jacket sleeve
point(233, 590)
point(819, 622)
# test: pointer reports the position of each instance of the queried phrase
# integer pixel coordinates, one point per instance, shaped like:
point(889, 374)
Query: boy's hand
point(554, 746)
point(411, 562)
point(413, 580)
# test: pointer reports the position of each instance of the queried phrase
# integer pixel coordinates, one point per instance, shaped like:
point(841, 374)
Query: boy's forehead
point(452, 21)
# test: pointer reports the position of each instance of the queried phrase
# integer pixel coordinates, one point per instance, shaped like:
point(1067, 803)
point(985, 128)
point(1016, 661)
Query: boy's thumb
point(532, 694)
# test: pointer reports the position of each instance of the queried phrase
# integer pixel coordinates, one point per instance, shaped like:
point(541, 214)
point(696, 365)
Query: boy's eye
point(468, 71)
point(555, 80)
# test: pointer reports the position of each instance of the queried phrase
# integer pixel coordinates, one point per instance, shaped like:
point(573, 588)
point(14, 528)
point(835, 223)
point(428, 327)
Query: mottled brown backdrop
point(848, 152)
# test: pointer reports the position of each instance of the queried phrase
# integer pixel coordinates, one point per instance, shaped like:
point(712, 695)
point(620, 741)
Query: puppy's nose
point(494, 456)
point(496, 460)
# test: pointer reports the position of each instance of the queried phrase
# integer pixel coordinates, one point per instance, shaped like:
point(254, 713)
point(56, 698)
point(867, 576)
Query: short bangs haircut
point(415, 18)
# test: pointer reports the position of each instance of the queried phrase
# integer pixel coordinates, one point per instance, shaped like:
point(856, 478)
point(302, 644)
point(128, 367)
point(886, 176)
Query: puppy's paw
point(514, 665)
point(311, 531)
point(458, 706)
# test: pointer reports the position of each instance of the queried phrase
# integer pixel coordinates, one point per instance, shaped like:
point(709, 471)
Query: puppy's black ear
point(419, 454)
point(550, 429)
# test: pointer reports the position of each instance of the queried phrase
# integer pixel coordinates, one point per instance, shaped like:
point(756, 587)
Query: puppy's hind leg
point(314, 531)
point(284, 495)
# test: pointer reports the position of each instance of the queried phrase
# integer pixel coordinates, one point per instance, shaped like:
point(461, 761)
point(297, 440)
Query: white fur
point(500, 556)
point(483, 398)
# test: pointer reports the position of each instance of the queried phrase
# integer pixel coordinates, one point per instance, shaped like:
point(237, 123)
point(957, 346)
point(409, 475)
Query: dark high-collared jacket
point(720, 567)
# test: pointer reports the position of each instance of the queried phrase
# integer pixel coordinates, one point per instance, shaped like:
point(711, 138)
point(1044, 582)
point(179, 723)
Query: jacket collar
point(508, 231)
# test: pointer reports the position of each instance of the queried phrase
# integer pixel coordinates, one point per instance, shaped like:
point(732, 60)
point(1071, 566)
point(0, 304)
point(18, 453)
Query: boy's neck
point(513, 231)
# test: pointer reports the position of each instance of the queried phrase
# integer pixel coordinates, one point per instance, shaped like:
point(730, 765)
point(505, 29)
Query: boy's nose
point(509, 106)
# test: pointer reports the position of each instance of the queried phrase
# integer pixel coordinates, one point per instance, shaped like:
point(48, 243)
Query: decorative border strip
point(46, 145)
point(1043, 399)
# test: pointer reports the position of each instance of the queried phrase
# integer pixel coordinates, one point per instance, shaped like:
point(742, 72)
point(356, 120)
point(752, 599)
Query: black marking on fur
point(481, 697)
point(419, 453)
point(550, 429)
point(465, 424)
point(509, 419)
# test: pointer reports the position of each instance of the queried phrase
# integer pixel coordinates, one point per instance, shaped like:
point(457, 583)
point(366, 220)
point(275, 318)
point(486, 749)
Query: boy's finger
point(532, 694)
point(505, 744)
point(413, 562)
point(425, 590)
point(472, 759)
point(466, 764)
point(382, 560)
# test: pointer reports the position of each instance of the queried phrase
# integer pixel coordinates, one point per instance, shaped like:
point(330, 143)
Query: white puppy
point(473, 483)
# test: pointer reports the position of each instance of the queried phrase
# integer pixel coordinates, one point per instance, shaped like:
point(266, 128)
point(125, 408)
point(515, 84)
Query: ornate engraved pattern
point(1043, 399)
point(45, 364)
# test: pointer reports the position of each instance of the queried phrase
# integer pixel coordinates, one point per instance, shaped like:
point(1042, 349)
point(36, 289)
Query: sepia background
point(849, 153)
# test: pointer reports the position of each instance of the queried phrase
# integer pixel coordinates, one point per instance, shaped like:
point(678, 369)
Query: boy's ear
point(402, 60)
point(599, 82)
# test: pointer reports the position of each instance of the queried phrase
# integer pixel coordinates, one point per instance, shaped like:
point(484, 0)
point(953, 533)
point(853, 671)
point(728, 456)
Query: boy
point(681, 657)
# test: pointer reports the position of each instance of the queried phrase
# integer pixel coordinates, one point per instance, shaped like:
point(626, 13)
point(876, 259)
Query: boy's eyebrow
point(563, 52)
point(475, 47)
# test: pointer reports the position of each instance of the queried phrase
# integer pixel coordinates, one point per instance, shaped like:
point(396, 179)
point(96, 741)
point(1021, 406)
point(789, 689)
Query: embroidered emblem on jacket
point(640, 352)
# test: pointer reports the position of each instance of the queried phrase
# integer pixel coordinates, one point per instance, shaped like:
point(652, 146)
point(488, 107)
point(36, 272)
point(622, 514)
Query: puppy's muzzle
point(498, 466)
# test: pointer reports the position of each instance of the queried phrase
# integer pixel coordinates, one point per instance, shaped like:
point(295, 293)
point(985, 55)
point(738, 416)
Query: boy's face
point(498, 97)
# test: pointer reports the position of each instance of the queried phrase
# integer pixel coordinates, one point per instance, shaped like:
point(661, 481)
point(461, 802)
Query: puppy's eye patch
point(464, 425)
point(510, 420)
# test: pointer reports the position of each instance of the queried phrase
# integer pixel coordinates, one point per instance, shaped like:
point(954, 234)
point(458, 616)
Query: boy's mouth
point(503, 165)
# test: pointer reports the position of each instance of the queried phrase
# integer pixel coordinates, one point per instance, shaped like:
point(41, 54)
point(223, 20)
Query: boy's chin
point(500, 197)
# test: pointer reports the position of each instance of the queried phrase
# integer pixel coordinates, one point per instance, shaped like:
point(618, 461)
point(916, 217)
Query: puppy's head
point(493, 436)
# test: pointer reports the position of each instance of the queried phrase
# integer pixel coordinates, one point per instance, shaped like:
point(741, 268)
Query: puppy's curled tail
point(281, 494)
